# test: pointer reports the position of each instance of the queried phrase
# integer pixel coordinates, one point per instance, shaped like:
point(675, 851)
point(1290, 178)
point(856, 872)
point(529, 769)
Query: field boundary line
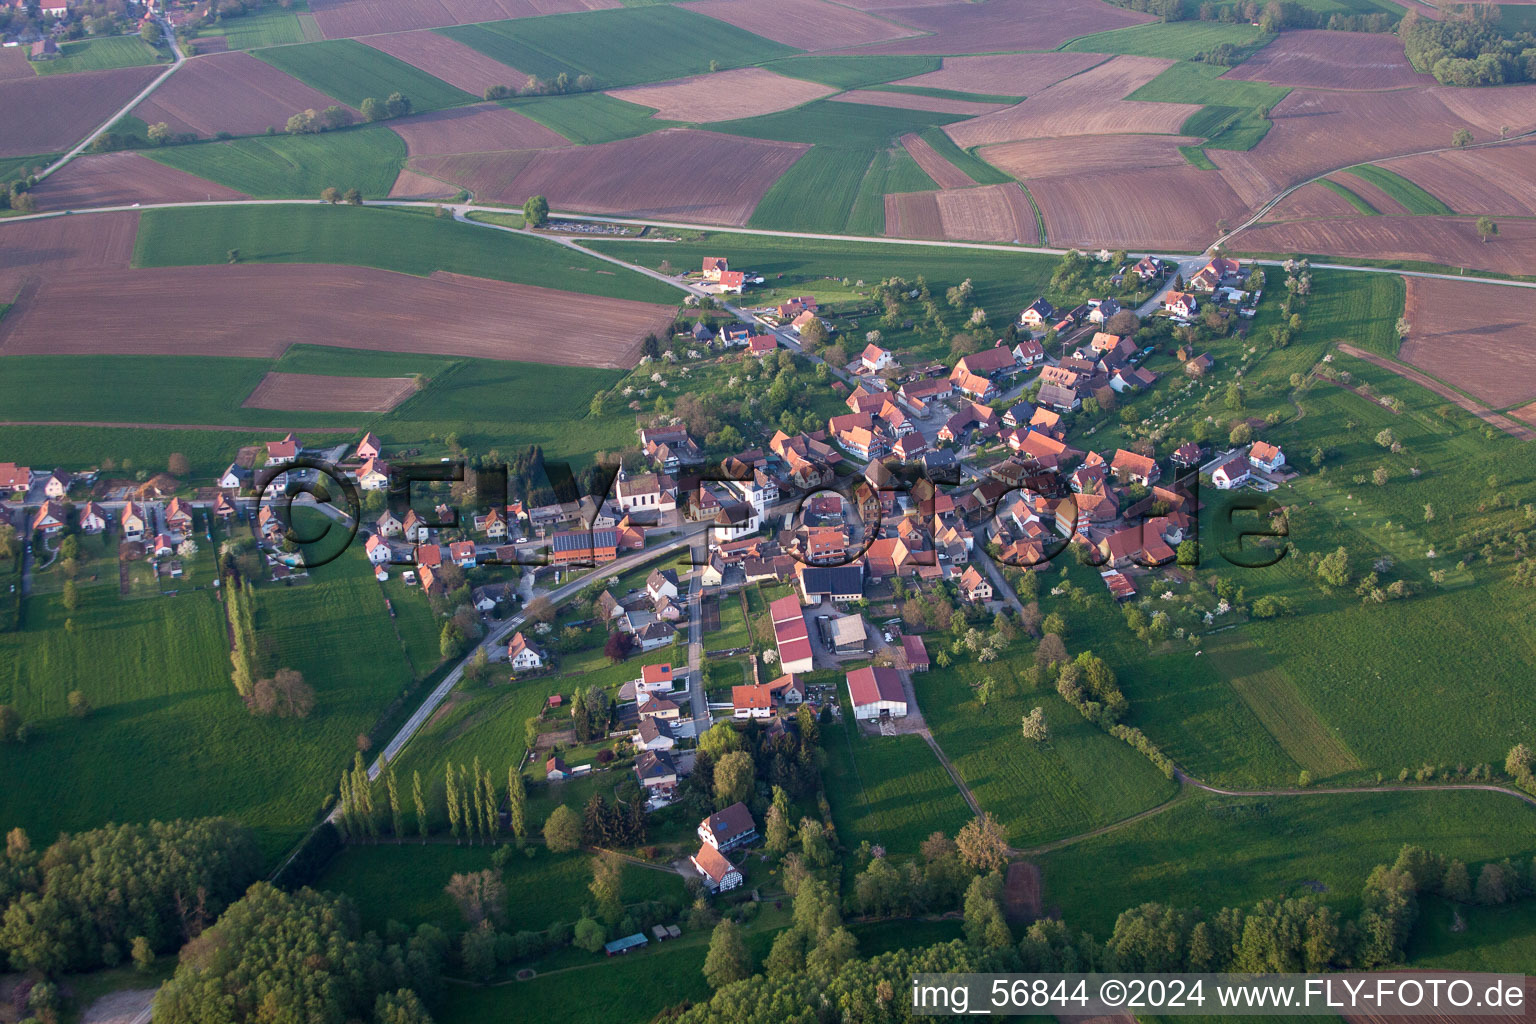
point(1415, 376)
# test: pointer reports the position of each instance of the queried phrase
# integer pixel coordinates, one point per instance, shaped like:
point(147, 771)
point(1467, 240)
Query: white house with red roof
point(49, 519)
point(14, 477)
point(57, 484)
point(654, 679)
point(93, 519)
point(463, 554)
point(1029, 352)
point(136, 524)
point(1266, 456)
point(373, 475)
point(719, 874)
point(792, 635)
point(761, 345)
point(754, 701)
point(377, 549)
point(876, 693)
point(521, 655)
point(1233, 473)
point(280, 453)
point(725, 830)
point(875, 358)
point(714, 266)
point(1181, 303)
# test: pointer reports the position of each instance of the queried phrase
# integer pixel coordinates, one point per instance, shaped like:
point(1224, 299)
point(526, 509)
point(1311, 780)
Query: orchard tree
point(1035, 727)
point(536, 211)
point(562, 830)
point(982, 843)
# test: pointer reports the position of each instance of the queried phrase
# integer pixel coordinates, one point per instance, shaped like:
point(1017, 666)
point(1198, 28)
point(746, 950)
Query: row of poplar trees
point(470, 799)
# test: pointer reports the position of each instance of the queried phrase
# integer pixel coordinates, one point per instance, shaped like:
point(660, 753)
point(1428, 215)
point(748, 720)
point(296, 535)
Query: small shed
point(619, 947)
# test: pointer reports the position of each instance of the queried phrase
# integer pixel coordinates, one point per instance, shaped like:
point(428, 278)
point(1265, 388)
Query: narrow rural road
point(696, 694)
point(180, 58)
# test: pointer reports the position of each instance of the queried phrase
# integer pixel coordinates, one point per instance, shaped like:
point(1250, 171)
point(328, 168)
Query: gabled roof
point(713, 863)
point(871, 685)
point(730, 823)
point(915, 650)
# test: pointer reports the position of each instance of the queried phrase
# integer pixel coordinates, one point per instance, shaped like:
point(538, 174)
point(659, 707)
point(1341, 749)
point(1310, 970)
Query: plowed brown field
point(1171, 207)
point(805, 24)
point(229, 92)
point(1332, 60)
point(1494, 179)
point(447, 59)
point(1315, 132)
point(1050, 158)
point(475, 129)
point(35, 249)
point(1087, 104)
point(50, 113)
point(1311, 200)
point(999, 25)
point(1449, 240)
point(257, 311)
point(117, 179)
point(691, 175)
point(723, 95)
point(1477, 337)
point(1007, 74)
point(989, 213)
point(410, 185)
point(1379, 200)
point(14, 63)
point(943, 173)
point(307, 392)
point(340, 18)
point(913, 101)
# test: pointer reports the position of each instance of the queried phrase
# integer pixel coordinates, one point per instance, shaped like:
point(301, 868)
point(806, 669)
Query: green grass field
point(1195, 157)
point(156, 671)
point(948, 94)
point(1495, 939)
point(284, 166)
point(1081, 778)
point(836, 125)
point(352, 72)
point(890, 790)
point(12, 167)
point(405, 883)
point(854, 72)
point(1180, 40)
point(1227, 127)
point(1413, 198)
point(1210, 852)
point(582, 43)
point(269, 26)
point(891, 170)
point(348, 362)
point(76, 447)
point(590, 117)
point(101, 54)
point(1190, 82)
point(1354, 198)
point(409, 242)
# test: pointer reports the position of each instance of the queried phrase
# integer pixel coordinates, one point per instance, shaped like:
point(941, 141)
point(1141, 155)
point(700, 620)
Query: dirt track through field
point(307, 392)
point(1482, 412)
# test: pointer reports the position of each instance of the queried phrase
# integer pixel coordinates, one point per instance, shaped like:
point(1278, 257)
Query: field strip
point(305, 392)
point(1280, 708)
point(1477, 409)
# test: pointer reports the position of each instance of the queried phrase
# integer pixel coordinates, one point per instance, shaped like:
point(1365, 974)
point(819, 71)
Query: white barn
point(877, 693)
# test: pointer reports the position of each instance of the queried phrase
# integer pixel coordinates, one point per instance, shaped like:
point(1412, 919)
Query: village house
point(49, 519)
point(730, 282)
point(1100, 310)
point(733, 335)
point(876, 693)
point(714, 266)
point(234, 478)
point(57, 485)
point(839, 583)
point(876, 358)
point(377, 549)
point(1148, 268)
point(755, 701)
point(178, 516)
point(657, 774)
point(661, 583)
point(974, 587)
point(493, 524)
point(719, 874)
point(414, 528)
point(555, 769)
point(654, 679)
point(46, 49)
point(804, 320)
point(787, 689)
point(1188, 454)
point(387, 525)
point(373, 475)
point(223, 508)
point(1211, 276)
point(462, 553)
point(1129, 468)
point(1037, 314)
point(651, 705)
point(93, 518)
point(281, 453)
point(369, 448)
point(136, 524)
point(725, 830)
point(734, 520)
point(1265, 456)
point(1132, 378)
point(1181, 304)
point(1232, 473)
point(1029, 353)
point(655, 635)
point(760, 345)
point(14, 477)
point(654, 734)
point(163, 547)
point(523, 656)
point(431, 582)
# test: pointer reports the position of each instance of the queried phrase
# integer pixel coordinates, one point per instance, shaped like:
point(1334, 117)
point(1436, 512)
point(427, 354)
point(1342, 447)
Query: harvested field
point(477, 129)
point(309, 392)
point(1448, 240)
point(989, 213)
point(693, 175)
point(1332, 60)
point(1003, 25)
point(448, 59)
point(1476, 337)
point(723, 95)
point(1311, 200)
point(344, 18)
point(14, 63)
point(118, 179)
point(1087, 104)
point(1021, 893)
point(1525, 414)
point(943, 173)
point(1007, 74)
point(913, 101)
point(210, 44)
point(1050, 158)
point(229, 92)
point(1495, 179)
point(261, 309)
point(1370, 192)
point(50, 113)
point(1172, 207)
point(1315, 132)
point(1472, 406)
point(411, 185)
point(804, 24)
point(33, 249)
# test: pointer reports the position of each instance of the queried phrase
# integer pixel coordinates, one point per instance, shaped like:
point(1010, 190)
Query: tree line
point(1468, 47)
point(533, 85)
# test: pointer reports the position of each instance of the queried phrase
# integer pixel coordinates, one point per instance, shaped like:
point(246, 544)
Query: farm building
point(618, 947)
point(876, 693)
point(728, 829)
point(794, 639)
point(916, 652)
point(719, 874)
point(840, 583)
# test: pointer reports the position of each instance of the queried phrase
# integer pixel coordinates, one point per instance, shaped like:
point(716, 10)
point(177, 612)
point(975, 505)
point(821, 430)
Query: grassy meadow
point(367, 158)
point(350, 72)
point(1179, 40)
point(1413, 198)
point(589, 118)
point(101, 54)
point(271, 25)
point(889, 790)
